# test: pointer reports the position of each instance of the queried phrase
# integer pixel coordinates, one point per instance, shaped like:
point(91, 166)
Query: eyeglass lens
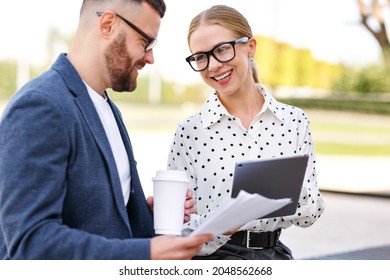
point(222, 53)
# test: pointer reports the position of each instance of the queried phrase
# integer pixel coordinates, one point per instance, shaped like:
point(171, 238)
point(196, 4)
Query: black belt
point(255, 240)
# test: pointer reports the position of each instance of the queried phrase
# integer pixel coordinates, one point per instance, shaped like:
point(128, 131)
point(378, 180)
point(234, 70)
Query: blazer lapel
point(91, 117)
point(138, 211)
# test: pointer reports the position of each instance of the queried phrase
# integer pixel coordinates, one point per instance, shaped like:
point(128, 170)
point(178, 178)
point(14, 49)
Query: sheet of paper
point(235, 212)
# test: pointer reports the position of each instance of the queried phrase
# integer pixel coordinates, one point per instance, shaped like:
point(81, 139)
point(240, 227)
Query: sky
point(329, 28)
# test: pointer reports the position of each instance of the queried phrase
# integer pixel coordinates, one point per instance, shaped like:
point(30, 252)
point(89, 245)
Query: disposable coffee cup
point(169, 191)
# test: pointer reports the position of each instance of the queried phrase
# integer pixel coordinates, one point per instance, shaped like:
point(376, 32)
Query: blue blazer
point(60, 192)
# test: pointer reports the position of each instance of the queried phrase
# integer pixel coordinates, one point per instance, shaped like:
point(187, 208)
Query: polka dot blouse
point(208, 144)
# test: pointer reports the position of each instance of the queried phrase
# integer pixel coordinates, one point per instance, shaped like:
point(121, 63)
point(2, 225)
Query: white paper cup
point(169, 191)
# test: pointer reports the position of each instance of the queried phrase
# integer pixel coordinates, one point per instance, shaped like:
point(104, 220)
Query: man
point(69, 187)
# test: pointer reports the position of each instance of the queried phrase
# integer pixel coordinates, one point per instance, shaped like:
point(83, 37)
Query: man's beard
point(119, 65)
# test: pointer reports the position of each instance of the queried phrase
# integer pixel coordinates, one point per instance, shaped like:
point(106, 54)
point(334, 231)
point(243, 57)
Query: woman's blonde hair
point(228, 18)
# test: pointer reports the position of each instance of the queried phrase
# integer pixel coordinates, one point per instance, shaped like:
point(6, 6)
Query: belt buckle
point(248, 238)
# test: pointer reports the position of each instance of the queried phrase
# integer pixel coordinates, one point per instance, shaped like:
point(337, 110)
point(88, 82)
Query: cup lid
point(169, 175)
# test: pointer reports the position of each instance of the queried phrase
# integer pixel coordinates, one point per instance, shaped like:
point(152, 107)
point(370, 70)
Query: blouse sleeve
point(179, 158)
point(311, 204)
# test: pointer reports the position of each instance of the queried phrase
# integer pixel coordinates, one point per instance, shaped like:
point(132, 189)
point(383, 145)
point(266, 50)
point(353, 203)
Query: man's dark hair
point(158, 5)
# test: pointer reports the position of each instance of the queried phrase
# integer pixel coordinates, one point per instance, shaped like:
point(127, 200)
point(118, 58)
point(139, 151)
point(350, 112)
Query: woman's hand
point(189, 205)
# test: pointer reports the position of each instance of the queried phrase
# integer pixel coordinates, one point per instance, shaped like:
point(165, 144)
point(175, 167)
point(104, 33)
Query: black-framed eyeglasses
point(223, 52)
point(151, 41)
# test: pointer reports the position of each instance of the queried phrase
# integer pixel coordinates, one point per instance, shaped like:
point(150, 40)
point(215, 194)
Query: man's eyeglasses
point(223, 52)
point(151, 41)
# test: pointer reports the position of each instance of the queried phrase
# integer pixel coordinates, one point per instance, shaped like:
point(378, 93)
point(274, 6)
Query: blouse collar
point(213, 110)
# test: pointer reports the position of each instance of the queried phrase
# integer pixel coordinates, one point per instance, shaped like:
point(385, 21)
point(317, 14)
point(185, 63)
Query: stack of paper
point(236, 212)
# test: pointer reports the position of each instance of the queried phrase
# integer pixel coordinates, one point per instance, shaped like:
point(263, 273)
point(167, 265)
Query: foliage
point(138, 96)
point(352, 104)
point(367, 80)
point(171, 93)
point(7, 79)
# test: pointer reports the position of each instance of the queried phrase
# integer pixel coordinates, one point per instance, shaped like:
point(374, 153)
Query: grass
point(329, 148)
point(351, 135)
point(351, 128)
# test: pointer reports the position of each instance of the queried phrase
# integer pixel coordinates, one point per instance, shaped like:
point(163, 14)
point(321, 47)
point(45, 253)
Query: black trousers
point(236, 252)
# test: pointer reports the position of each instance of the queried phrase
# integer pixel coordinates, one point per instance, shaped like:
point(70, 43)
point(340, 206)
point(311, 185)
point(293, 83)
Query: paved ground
point(352, 227)
point(372, 253)
point(355, 174)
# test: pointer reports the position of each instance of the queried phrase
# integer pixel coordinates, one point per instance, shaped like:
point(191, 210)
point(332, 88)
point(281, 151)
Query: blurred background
point(329, 57)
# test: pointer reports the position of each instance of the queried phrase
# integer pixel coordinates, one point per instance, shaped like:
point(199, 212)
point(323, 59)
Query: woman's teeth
point(223, 76)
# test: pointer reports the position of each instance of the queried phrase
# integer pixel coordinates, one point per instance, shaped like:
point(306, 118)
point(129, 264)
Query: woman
point(240, 121)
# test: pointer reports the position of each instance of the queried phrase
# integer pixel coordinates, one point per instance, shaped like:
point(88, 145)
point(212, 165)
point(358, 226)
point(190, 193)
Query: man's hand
point(149, 201)
point(169, 247)
point(189, 205)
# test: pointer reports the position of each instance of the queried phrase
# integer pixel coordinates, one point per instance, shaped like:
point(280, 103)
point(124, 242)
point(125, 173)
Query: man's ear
point(107, 23)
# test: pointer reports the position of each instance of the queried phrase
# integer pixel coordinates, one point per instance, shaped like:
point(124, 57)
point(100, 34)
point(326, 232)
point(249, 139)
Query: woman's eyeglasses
point(223, 52)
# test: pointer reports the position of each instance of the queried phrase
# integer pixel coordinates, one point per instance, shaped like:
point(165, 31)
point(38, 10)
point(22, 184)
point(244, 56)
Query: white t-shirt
point(114, 137)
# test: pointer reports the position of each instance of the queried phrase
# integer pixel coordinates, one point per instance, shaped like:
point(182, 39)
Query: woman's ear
point(252, 43)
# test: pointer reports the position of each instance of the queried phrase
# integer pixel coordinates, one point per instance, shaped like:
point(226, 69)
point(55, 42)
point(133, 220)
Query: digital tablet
point(273, 178)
